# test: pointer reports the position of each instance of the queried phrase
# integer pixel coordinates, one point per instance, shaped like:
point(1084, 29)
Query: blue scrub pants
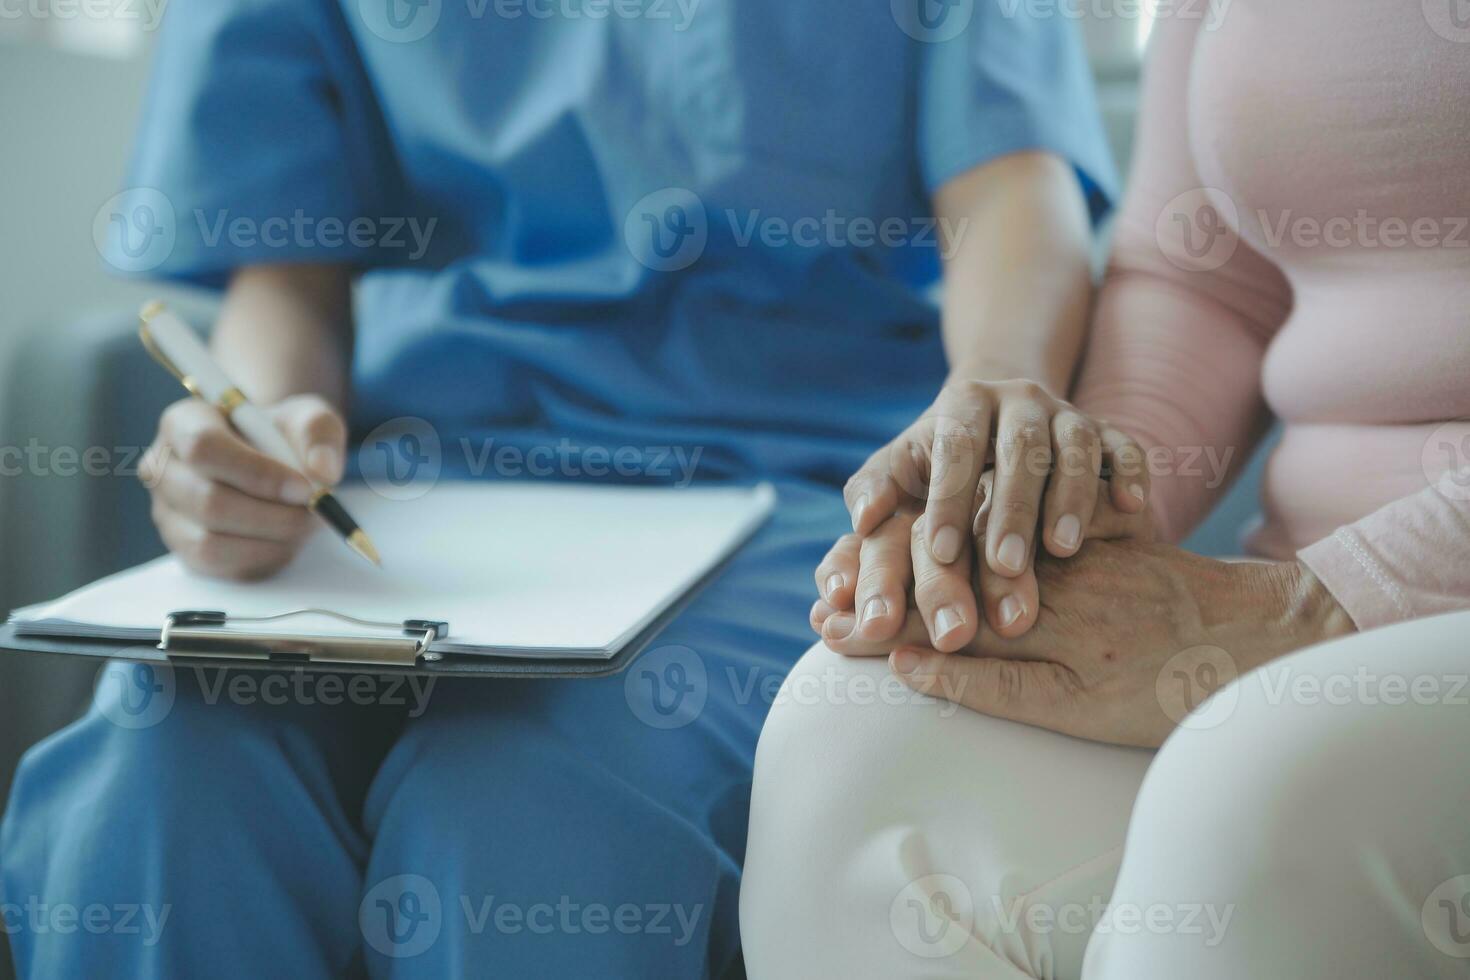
point(521, 829)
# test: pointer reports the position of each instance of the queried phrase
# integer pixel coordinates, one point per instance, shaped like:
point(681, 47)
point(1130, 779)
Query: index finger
point(957, 459)
point(890, 477)
point(1032, 692)
point(871, 495)
point(203, 439)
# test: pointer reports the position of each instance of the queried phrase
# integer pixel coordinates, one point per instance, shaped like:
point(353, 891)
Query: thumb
point(1110, 524)
point(318, 434)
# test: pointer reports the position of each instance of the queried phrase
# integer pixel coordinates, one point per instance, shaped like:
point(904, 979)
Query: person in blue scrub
point(639, 241)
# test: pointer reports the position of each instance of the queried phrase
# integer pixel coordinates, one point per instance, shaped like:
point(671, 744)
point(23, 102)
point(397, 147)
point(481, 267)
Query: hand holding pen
point(235, 485)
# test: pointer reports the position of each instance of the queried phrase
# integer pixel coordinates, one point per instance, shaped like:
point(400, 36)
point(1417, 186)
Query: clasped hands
point(942, 574)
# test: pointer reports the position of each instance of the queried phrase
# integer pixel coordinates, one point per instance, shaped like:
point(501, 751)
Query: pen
point(175, 345)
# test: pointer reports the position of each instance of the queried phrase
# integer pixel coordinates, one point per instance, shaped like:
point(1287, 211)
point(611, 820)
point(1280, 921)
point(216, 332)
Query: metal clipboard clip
point(214, 634)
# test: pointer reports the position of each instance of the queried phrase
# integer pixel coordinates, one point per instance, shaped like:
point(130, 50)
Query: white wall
point(66, 124)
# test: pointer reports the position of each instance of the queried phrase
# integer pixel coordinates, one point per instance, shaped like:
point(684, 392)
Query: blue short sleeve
point(259, 143)
point(999, 77)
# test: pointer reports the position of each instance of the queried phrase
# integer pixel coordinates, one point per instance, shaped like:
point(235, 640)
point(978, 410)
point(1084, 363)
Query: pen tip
point(363, 545)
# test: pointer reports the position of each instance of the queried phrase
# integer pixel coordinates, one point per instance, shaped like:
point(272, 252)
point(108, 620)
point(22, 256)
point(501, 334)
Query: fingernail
point(876, 607)
point(1136, 490)
point(1012, 552)
point(905, 661)
point(946, 621)
point(1068, 532)
point(839, 626)
point(834, 582)
point(325, 463)
point(946, 547)
point(296, 491)
point(858, 508)
point(1010, 610)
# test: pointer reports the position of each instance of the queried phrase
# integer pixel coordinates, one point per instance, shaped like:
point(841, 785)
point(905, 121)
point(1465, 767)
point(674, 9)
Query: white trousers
point(1311, 821)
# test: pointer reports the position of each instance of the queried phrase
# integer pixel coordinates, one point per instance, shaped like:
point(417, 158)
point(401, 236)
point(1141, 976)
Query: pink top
point(1333, 139)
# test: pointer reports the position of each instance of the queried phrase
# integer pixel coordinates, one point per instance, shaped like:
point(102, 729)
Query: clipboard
point(12, 640)
point(353, 644)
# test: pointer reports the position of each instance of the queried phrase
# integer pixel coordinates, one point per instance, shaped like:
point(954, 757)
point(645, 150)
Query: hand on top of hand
point(894, 566)
point(1133, 635)
point(976, 475)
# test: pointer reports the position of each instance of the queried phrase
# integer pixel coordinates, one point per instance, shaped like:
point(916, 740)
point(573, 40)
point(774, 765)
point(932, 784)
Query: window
point(112, 28)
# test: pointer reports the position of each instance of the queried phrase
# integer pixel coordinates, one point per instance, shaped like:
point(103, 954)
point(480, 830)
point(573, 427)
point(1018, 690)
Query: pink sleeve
point(1175, 353)
point(1408, 559)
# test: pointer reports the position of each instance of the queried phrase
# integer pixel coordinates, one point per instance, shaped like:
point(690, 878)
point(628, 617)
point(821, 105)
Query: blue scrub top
point(630, 224)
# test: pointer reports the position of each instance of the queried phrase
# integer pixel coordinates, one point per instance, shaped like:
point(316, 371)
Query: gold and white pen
point(175, 345)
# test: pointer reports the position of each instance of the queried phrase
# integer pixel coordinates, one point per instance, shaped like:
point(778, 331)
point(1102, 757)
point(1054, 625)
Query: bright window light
point(1145, 24)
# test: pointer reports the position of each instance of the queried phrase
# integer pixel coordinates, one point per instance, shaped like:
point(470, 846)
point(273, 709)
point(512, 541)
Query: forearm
point(287, 330)
point(1017, 273)
point(1182, 375)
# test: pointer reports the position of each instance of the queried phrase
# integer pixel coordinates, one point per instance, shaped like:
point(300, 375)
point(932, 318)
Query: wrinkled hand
point(225, 508)
point(1132, 635)
point(1046, 457)
point(894, 563)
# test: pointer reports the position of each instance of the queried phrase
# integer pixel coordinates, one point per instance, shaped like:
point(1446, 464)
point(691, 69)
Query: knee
point(140, 730)
point(836, 732)
point(883, 832)
point(1307, 758)
point(838, 742)
point(158, 745)
point(1320, 784)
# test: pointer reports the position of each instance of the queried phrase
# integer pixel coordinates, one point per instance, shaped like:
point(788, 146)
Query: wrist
point(1312, 612)
point(992, 371)
point(1290, 607)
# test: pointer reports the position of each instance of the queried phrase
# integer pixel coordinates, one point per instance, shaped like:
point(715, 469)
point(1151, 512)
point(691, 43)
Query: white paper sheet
point(521, 568)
